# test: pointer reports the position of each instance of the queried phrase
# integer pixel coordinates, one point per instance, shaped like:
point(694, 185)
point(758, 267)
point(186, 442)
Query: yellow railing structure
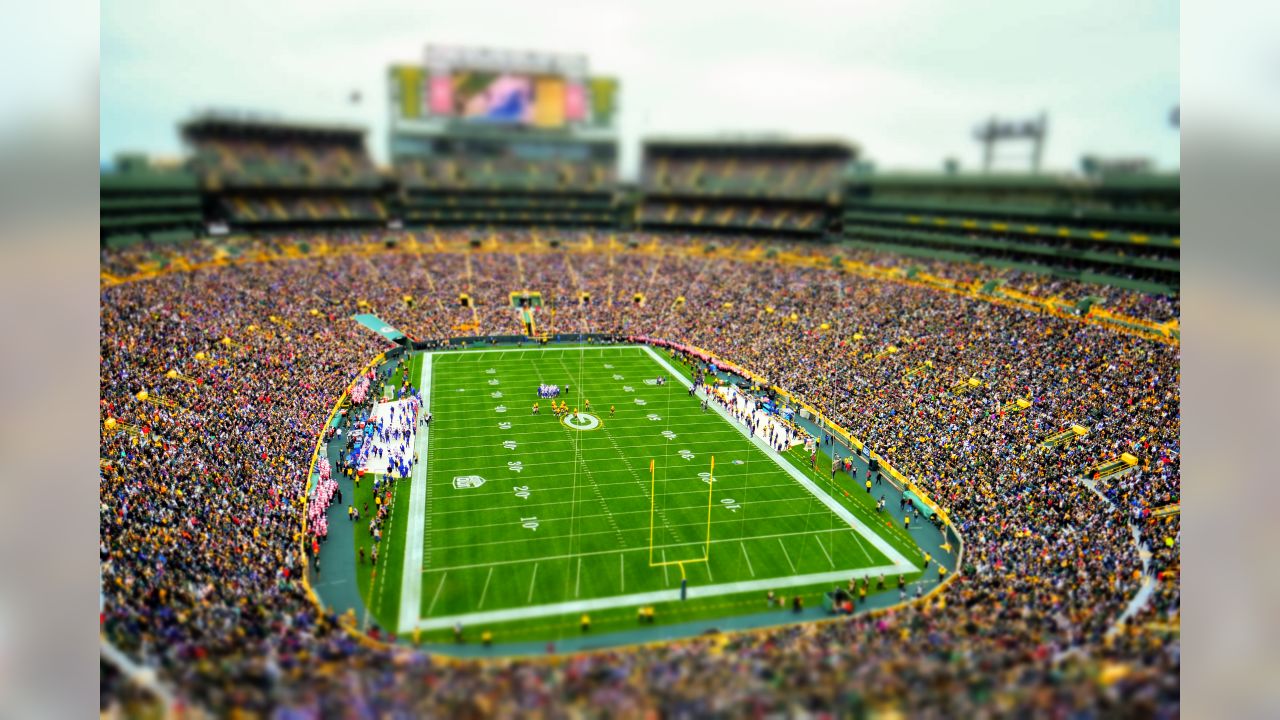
point(1165, 329)
point(175, 375)
point(1109, 468)
point(1167, 510)
point(926, 365)
point(653, 502)
point(145, 396)
point(902, 480)
point(111, 425)
point(965, 386)
point(1015, 406)
point(1064, 437)
point(891, 350)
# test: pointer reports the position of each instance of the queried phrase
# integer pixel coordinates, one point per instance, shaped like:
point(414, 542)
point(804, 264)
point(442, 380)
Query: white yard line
point(554, 503)
point(690, 438)
point(786, 555)
point(645, 549)
point(900, 563)
point(486, 351)
point(485, 591)
point(825, 552)
point(464, 529)
point(436, 597)
point(746, 555)
point(694, 592)
point(532, 580)
point(861, 547)
point(622, 573)
point(577, 582)
point(411, 578)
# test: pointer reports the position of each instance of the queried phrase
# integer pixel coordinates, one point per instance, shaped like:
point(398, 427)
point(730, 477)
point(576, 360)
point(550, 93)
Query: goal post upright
point(653, 499)
point(711, 483)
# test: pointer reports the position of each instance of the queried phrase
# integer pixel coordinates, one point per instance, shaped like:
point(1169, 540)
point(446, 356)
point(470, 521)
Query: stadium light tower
point(995, 131)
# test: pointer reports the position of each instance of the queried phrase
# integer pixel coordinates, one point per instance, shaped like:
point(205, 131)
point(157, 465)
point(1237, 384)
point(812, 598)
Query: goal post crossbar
point(653, 500)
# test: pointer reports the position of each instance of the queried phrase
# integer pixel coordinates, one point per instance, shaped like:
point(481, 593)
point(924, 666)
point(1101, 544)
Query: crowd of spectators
point(783, 176)
point(255, 162)
point(730, 216)
point(307, 207)
point(459, 172)
point(202, 482)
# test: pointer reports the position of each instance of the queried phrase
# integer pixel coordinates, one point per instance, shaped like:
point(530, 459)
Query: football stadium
point(492, 429)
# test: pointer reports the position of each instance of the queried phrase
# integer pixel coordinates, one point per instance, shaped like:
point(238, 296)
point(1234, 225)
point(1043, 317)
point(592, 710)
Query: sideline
point(900, 563)
point(656, 596)
point(411, 578)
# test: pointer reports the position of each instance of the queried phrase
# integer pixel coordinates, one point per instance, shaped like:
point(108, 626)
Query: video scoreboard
point(502, 88)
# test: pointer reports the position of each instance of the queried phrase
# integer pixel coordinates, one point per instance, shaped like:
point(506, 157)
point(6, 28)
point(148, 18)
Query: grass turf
point(564, 514)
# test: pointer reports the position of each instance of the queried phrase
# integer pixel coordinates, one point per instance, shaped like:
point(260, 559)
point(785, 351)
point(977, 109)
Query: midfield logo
point(581, 421)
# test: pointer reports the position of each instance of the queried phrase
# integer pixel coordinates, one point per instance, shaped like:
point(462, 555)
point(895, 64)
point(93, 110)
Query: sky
point(904, 80)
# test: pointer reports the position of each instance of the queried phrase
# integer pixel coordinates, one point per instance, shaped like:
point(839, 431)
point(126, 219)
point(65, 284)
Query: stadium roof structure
point(137, 172)
point(1141, 181)
point(213, 124)
point(739, 145)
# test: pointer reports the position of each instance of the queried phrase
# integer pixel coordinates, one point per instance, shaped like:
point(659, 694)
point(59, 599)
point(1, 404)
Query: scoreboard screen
point(496, 87)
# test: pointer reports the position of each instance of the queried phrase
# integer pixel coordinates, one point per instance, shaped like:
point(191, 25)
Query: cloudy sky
point(904, 79)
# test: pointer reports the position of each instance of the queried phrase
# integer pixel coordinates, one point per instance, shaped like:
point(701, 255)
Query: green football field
point(520, 523)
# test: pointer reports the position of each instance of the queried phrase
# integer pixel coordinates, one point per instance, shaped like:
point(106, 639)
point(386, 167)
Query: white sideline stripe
point(410, 591)
point(840, 511)
point(722, 521)
point(554, 503)
point(688, 437)
point(569, 556)
point(582, 348)
point(645, 598)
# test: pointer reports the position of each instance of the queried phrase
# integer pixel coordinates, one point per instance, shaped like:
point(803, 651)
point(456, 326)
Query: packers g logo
point(581, 421)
